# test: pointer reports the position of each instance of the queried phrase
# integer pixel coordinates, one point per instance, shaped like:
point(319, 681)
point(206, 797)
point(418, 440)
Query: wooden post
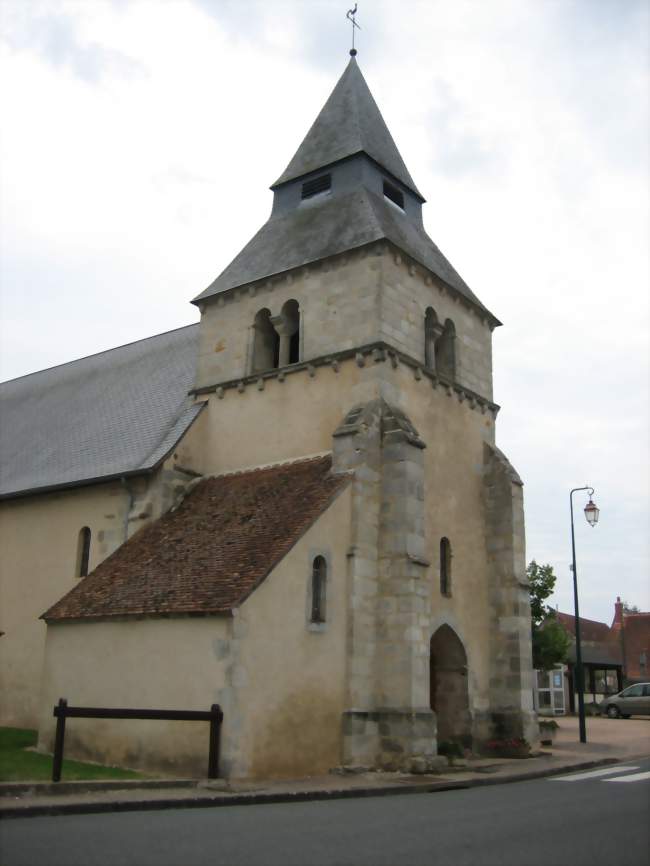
point(59, 712)
point(215, 741)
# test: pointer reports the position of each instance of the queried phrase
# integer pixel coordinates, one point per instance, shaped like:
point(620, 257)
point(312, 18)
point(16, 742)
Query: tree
point(550, 641)
point(630, 608)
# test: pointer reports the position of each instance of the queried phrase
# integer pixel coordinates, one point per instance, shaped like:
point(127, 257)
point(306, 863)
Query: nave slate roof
point(116, 413)
point(208, 555)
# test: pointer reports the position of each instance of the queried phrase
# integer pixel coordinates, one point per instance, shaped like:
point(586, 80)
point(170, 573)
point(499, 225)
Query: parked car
point(632, 701)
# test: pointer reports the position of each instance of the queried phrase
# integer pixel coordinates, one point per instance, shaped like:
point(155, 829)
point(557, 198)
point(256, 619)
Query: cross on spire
point(350, 15)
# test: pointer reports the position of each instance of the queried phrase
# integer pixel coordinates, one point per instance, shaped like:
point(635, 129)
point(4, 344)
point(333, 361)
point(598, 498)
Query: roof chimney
point(618, 612)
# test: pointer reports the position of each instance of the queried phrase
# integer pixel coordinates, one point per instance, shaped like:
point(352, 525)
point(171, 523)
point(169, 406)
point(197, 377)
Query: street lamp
point(592, 512)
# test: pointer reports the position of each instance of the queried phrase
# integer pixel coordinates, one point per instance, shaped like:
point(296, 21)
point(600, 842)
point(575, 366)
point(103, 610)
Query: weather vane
point(350, 16)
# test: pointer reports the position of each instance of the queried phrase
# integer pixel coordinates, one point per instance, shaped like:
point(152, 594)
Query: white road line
point(635, 777)
point(592, 774)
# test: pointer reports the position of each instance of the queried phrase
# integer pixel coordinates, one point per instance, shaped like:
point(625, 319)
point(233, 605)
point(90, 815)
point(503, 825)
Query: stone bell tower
point(355, 335)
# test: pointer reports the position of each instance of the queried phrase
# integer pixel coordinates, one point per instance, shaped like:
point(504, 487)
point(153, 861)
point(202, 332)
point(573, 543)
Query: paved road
point(595, 819)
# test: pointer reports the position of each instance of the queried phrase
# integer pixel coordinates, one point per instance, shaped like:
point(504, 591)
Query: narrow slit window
point(318, 585)
point(310, 188)
point(445, 566)
point(83, 552)
point(393, 194)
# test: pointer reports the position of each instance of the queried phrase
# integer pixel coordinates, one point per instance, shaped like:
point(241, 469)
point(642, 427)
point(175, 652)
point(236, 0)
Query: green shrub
point(450, 749)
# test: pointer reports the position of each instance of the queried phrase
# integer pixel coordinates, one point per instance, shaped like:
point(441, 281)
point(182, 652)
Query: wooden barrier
point(62, 712)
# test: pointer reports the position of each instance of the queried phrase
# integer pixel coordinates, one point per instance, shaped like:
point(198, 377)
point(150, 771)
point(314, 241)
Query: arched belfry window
point(432, 330)
point(83, 552)
point(446, 351)
point(266, 343)
point(318, 590)
point(276, 339)
point(445, 566)
point(287, 325)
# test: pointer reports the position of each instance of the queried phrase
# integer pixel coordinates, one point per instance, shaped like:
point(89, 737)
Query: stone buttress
point(388, 723)
point(511, 674)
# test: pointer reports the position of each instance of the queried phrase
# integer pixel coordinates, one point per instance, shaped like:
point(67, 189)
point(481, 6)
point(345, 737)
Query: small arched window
point(445, 566)
point(446, 351)
point(432, 330)
point(83, 552)
point(266, 343)
point(318, 590)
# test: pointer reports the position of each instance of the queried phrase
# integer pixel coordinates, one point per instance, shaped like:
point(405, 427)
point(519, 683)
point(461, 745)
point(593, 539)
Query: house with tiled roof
point(295, 508)
point(601, 661)
point(613, 656)
point(630, 633)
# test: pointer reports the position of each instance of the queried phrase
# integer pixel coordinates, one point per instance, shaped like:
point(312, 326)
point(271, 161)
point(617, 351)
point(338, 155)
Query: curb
point(7, 789)
point(255, 799)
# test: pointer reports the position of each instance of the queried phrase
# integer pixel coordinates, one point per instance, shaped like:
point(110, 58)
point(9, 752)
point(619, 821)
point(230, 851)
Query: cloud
point(53, 33)
point(458, 148)
point(315, 32)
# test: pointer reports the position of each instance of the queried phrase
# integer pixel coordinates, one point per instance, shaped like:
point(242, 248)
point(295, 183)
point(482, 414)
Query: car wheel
point(624, 716)
point(613, 712)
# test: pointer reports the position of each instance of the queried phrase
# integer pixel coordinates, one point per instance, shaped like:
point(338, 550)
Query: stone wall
point(403, 499)
point(338, 310)
point(171, 663)
point(286, 690)
point(300, 408)
point(39, 540)
point(406, 293)
point(280, 682)
point(368, 295)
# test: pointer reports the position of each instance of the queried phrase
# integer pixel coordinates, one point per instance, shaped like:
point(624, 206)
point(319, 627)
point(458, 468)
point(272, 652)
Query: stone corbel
point(418, 560)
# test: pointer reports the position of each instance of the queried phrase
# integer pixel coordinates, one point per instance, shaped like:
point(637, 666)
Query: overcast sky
point(140, 138)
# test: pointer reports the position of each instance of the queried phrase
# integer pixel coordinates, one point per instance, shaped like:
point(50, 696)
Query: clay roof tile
point(209, 554)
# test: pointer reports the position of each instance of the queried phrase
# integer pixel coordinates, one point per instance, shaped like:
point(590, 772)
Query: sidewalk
point(609, 741)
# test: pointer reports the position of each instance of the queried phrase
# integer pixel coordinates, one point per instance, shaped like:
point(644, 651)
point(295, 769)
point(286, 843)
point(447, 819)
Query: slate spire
point(349, 123)
point(368, 196)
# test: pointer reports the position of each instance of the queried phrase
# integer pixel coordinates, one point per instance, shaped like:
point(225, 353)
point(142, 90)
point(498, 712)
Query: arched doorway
point(448, 687)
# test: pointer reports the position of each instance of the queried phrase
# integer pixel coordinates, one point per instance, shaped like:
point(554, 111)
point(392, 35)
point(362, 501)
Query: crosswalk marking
point(633, 777)
point(592, 774)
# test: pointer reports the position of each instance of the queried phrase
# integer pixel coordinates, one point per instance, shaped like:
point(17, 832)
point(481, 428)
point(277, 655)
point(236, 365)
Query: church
point(294, 508)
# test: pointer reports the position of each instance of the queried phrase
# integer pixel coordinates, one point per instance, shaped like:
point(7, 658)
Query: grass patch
point(19, 765)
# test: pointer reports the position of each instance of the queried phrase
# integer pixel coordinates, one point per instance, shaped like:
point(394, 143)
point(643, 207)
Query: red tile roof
point(590, 629)
point(608, 643)
point(208, 555)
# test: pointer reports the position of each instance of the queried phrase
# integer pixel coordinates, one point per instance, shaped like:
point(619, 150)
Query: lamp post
point(591, 513)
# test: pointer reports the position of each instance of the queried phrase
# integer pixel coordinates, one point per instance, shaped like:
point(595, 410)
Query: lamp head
point(592, 512)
